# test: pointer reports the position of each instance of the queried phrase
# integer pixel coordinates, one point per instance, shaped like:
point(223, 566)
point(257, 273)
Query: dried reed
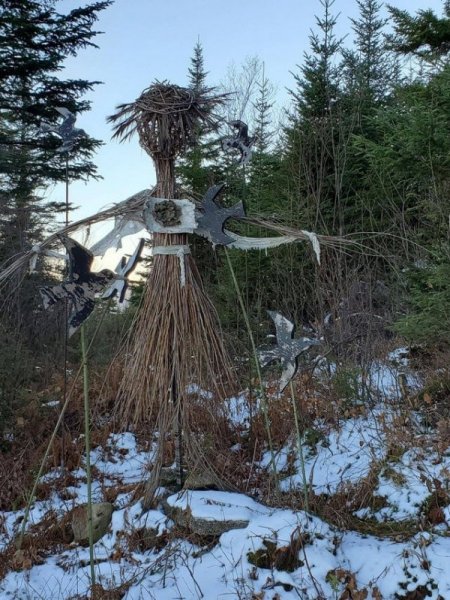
point(167, 118)
point(176, 371)
point(131, 207)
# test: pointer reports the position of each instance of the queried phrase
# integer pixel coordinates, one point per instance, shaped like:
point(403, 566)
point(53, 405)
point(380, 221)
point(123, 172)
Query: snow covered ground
point(274, 553)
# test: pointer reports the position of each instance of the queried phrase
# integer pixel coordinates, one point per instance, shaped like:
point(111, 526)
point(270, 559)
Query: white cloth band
point(243, 242)
point(179, 251)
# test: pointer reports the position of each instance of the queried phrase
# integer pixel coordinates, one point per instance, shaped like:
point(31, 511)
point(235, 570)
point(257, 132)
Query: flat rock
point(101, 518)
point(198, 480)
point(212, 512)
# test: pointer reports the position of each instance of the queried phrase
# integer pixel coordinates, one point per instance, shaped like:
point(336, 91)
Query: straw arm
point(131, 206)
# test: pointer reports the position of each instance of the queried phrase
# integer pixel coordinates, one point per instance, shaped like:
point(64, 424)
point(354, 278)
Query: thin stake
point(264, 403)
point(300, 448)
point(67, 189)
point(52, 439)
point(66, 324)
point(87, 438)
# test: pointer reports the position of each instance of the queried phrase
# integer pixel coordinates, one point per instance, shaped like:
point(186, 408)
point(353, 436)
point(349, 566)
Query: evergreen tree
point(259, 188)
point(370, 75)
point(371, 67)
point(34, 41)
point(310, 132)
point(317, 83)
point(197, 73)
point(263, 194)
point(192, 171)
point(425, 35)
point(263, 106)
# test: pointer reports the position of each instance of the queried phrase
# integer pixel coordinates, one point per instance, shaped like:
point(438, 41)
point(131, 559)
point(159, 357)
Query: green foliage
point(362, 150)
point(425, 34)
point(16, 370)
point(109, 337)
point(428, 318)
point(194, 170)
point(36, 40)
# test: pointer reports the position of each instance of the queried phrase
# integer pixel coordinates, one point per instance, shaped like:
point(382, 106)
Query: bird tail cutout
point(48, 297)
point(266, 356)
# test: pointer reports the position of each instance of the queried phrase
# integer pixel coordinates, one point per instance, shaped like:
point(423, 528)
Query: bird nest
point(167, 118)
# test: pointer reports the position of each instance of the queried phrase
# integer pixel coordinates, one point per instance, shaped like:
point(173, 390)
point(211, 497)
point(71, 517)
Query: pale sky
point(145, 40)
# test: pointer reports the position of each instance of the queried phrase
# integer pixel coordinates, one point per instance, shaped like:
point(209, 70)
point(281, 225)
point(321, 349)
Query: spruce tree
point(425, 35)
point(371, 69)
point(316, 84)
point(197, 73)
point(191, 170)
point(310, 132)
point(369, 79)
point(262, 195)
point(34, 41)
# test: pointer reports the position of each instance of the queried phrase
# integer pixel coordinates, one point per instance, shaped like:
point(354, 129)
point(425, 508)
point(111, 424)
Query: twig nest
point(167, 213)
point(167, 118)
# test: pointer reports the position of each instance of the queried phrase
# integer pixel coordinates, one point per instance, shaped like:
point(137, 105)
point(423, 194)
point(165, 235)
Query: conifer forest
point(234, 383)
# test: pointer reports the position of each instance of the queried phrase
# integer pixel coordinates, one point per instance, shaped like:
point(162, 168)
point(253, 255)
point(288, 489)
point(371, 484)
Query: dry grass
point(176, 349)
point(167, 118)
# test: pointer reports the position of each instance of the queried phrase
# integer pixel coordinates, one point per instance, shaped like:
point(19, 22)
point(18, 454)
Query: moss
point(285, 558)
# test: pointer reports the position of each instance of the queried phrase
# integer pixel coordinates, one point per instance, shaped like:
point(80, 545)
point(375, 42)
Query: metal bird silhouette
point(66, 130)
point(80, 286)
point(123, 269)
point(211, 217)
point(241, 141)
point(287, 349)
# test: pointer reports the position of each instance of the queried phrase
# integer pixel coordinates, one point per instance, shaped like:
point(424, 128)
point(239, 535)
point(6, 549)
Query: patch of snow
point(217, 506)
point(347, 457)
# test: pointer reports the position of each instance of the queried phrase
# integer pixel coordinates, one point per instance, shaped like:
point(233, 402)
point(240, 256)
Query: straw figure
point(176, 372)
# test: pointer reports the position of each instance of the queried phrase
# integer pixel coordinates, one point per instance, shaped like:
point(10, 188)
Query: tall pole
point(166, 186)
point(85, 401)
point(66, 321)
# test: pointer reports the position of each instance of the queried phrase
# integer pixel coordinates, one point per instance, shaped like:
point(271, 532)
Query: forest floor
point(378, 473)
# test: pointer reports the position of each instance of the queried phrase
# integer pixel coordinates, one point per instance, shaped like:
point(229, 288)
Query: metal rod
point(87, 438)
point(66, 326)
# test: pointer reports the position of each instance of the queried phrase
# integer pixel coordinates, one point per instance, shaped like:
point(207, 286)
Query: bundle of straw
point(176, 370)
point(167, 118)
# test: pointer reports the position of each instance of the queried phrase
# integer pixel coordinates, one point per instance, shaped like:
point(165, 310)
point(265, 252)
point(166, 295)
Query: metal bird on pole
point(65, 131)
point(241, 141)
point(287, 349)
point(124, 268)
point(80, 286)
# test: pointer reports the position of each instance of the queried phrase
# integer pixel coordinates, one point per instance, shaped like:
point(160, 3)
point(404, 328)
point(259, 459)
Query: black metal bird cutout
point(287, 349)
point(80, 286)
point(241, 141)
point(66, 130)
point(211, 217)
point(123, 269)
